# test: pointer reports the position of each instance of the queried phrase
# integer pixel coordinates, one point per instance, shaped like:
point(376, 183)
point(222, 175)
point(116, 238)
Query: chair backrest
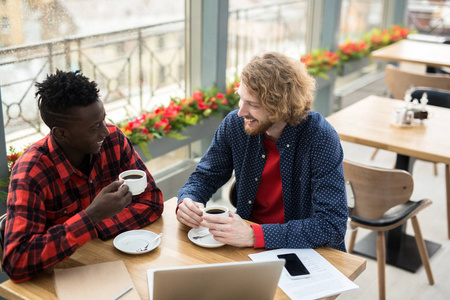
point(399, 81)
point(435, 97)
point(232, 193)
point(376, 190)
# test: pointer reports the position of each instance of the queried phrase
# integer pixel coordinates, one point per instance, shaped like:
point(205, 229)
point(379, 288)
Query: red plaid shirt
point(46, 221)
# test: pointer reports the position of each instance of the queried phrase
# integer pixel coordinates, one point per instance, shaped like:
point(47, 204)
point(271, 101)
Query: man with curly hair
point(64, 189)
point(287, 162)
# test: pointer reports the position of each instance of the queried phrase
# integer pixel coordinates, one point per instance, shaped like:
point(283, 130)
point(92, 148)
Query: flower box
point(324, 98)
point(166, 144)
point(355, 65)
point(322, 82)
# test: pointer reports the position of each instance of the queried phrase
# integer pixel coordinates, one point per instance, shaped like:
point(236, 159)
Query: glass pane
point(256, 27)
point(359, 17)
point(429, 17)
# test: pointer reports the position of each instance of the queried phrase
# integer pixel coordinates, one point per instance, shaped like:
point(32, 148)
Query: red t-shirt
point(268, 207)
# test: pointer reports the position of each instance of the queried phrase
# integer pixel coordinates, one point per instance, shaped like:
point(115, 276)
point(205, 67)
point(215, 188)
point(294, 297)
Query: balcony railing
point(252, 30)
point(133, 67)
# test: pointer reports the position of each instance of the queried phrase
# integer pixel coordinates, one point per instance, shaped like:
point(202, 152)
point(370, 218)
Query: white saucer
point(207, 241)
point(130, 241)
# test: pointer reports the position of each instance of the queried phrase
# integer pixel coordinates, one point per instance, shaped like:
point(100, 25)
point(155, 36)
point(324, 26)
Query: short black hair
point(59, 93)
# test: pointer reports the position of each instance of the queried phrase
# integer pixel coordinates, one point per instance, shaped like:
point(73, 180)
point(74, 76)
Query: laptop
point(236, 280)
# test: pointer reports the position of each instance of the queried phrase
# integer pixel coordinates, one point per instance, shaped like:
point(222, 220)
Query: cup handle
point(122, 185)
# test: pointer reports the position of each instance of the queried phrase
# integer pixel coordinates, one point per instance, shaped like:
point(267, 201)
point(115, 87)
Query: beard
point(262, 127)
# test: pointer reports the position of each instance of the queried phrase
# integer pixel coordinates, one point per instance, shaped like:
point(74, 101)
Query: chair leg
point(381, 258)
point(422, 249)
point(351, 244)
point(435, 169)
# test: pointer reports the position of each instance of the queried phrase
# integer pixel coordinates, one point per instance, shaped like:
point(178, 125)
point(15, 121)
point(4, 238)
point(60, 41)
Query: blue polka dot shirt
point(315, 205)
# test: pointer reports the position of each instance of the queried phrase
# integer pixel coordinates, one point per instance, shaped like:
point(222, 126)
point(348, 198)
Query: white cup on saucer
point(136, 180)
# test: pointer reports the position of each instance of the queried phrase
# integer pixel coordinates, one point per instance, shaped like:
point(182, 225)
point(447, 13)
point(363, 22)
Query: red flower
point(220, 96)
point(224, 102)
point(163, 124)
point(202, 105)
point(186, 101)
point(169, 112)
point(134, 124)
point(197, 96)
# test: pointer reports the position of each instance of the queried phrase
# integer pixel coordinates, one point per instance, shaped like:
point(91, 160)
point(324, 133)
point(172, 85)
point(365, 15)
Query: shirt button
point(249, 202)
point(299, 179)
point(91, 181)
point(263, 156)
point(287, 145)
point(65, 211)
point(256, 179)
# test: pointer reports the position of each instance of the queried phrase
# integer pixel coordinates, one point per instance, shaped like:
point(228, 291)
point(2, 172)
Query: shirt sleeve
point(144, 208)
point(213, 170)
point(30, 247)
point(259, 236)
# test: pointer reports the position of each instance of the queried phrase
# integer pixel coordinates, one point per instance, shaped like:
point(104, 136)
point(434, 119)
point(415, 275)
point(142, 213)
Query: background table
point(430, 54)
point(175, 250)
point(367, 122)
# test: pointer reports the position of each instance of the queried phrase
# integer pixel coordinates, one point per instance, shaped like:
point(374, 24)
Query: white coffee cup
point(213, 210)
point(136, 180)
point(216, 210)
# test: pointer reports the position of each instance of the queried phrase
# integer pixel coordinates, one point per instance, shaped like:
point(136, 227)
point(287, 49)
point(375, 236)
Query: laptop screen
point(236, 280)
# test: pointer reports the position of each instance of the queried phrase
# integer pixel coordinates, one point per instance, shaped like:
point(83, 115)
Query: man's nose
point(242, 109)
point(105, 129)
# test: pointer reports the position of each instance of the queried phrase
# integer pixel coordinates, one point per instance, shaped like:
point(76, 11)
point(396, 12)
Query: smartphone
point(294, 266)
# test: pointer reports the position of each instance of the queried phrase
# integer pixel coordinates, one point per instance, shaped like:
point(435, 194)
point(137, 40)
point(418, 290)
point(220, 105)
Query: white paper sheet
point(325, 279)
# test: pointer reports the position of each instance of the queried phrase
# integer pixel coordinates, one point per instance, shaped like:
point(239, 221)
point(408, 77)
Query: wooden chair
point(400, 81)
point(232, 193)
point(375, 192)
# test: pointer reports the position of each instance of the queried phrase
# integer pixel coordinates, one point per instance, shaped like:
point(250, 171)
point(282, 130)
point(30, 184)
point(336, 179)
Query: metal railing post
point(4, 172)
point(141, 71)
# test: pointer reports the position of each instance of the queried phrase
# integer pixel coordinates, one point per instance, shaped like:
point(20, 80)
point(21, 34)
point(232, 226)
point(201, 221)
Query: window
point(161, 42)
point(162, 74)
point(359, 17)
point(6, 28)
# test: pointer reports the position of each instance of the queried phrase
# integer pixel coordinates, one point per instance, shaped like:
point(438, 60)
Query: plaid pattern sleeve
point(46, 218)
point(146, 207)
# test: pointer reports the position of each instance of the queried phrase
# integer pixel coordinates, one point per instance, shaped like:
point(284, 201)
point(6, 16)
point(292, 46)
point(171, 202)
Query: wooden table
point(175, 250)
point(367, 122)
point(430, 54)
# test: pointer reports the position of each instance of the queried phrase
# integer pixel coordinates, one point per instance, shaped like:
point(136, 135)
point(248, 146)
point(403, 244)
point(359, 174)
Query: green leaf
point(177, 136)
point(323, 75)
point(145, 150)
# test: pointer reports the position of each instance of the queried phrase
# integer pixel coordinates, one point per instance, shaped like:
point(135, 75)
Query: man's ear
point(59, 133)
